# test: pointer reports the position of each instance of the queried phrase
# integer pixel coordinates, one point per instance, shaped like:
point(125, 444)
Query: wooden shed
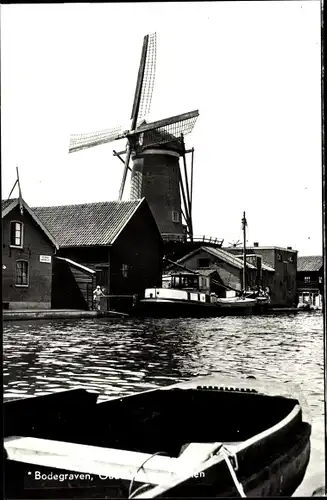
point(118, 240)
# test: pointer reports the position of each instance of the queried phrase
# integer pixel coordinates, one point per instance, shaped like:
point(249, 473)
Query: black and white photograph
point(163, 250)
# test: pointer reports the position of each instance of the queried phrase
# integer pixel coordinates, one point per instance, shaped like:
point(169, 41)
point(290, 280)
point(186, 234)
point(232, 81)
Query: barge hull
point(186, 309)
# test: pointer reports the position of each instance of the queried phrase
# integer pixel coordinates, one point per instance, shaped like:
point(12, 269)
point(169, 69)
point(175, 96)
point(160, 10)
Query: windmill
point(155, 149)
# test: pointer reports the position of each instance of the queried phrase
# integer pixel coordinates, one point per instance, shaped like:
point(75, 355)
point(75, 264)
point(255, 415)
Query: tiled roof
point(309, 263)
point(227, 257)
point(6, 203)
point(220, 254)
point(87, 224)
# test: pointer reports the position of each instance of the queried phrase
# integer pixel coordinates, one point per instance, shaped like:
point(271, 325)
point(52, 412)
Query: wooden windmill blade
point(89, 140)
point(169, 129)
point(145, 79)
point(142, 97)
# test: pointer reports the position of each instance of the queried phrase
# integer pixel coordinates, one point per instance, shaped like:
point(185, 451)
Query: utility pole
point(244, 224)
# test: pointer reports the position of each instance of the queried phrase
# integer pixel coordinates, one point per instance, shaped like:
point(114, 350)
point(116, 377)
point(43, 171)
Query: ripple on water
point(103, 355)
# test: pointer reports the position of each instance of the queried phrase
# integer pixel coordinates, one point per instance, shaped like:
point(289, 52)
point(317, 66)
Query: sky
point(253, 69)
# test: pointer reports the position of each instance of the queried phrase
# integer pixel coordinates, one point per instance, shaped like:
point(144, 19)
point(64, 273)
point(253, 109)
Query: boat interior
point(159, 420)
point(175, 424)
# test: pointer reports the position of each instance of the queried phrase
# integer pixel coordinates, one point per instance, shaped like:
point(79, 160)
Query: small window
point(16, 234)
point(306, 279)
point(319, 279)
point(21, 273)
point(291, 259)
point(279, 256)
point(124, 270)
point(203, 262)
point(175, 216)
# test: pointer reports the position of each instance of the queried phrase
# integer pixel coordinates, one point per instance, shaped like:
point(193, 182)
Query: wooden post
point(244, 250)
point(184, 198)
point(109, 283)
point(187, 190)
point(121, 159)
point(128, 155)
point(192, 166)
point(188, 198)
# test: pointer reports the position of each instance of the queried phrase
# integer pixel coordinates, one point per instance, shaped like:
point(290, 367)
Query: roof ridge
point(308, 256)
point(138, 200)
point(88, 224)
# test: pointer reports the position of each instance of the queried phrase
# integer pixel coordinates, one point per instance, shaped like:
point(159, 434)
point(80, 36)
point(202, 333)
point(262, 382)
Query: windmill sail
point(168, 129)
point(83, 141)
point(143, 94)
point(148, 77)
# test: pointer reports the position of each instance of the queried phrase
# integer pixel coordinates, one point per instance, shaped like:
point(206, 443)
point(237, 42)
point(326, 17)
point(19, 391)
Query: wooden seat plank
point(119, 464)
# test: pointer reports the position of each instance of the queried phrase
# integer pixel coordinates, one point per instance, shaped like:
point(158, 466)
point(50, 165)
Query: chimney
point(289, 248)
point(256, 244)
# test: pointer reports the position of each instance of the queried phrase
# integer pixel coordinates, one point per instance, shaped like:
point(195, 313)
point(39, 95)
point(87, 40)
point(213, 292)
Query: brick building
point(284, 263)
point(28, 249)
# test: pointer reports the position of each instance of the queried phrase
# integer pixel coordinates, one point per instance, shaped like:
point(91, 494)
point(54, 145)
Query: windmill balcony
point(184, 238)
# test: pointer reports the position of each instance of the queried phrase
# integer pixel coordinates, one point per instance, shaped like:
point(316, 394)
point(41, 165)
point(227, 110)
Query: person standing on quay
point(97, 294)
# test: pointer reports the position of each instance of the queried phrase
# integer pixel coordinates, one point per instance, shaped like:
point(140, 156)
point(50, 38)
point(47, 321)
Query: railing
point(186, 239)
point(206, 239)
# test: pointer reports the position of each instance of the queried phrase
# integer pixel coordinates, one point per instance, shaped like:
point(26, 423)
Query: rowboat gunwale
point(237, 448)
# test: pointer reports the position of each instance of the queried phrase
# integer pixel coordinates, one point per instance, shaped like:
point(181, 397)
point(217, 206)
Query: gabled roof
point(219, 254)
point(309, 263)
point(8, 205)
point(88, 224)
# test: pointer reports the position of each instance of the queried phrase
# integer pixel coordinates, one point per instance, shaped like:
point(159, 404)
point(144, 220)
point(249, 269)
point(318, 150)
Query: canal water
point(124, 356)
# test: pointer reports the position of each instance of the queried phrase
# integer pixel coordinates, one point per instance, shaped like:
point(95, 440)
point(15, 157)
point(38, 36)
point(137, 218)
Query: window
point(203, 262)
point(16, 234)
point(21, 273)
point(291, 259)
point(279, 256)
point(319, 279)
point(124, 270)
point(306, 279)
point(175, 216)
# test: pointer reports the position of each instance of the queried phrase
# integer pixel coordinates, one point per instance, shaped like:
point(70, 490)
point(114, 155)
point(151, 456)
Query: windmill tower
point(155, 149)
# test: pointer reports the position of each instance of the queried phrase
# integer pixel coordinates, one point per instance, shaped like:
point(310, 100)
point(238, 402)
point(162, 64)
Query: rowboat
point(207, 437)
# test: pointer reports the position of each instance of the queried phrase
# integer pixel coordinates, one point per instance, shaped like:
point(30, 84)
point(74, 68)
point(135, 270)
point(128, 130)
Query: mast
point(244, 223)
